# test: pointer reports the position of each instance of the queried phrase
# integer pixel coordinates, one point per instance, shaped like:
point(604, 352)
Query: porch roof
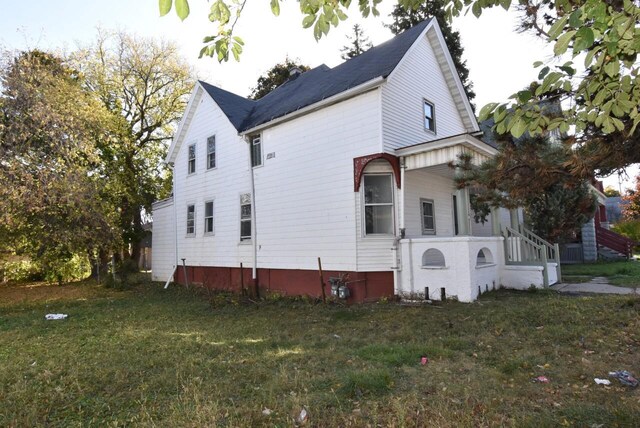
point(445, 150)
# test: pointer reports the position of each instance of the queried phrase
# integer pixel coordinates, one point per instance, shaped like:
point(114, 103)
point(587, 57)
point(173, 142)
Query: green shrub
point(22, 270)
point(75, 268)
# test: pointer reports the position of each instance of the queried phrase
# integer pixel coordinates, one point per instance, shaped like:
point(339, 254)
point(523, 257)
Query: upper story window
point(378, 203)
point(191, 219)
point(429, 116)
point(245, 216)
point(211, 152)
point(191, 162)
point(428, 215)
point(208, 218)
point(256, 150)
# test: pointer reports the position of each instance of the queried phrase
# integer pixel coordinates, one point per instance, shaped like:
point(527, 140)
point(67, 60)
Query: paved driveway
point(598, 285)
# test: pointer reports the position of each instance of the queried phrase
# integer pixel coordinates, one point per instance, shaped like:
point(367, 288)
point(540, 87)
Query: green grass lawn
point(153, 357)
point(622, 273)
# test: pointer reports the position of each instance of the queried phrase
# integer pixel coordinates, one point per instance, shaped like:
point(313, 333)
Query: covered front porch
point(443, 252)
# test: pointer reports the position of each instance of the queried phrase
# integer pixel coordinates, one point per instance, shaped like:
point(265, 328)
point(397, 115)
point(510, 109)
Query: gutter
point(342, 96)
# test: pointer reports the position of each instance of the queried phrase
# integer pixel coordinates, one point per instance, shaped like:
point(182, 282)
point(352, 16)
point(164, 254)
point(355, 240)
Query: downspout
point(397, 268)
point(254, 234)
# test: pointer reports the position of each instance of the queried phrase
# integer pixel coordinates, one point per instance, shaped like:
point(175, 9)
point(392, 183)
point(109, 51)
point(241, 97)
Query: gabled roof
point(235, 107)
point(315, 85)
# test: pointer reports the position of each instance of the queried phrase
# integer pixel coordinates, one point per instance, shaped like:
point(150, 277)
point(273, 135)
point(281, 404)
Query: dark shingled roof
point(316, 84)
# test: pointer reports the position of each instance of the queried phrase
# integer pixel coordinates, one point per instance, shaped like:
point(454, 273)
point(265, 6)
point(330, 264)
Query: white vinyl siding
point(416, 79)
point(428, 185)
point(163, 240)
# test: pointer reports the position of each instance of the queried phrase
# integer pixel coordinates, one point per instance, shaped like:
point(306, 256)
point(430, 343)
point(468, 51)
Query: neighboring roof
point(315, 85)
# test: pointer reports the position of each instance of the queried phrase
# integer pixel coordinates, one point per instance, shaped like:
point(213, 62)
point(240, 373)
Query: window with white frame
point(208, 218)
point(256, 150)
point(378, 203)
point(245, 216)
point(191, 219)
point(191, 161)
point(211, 152)
point(429, 116)
point(428, 217)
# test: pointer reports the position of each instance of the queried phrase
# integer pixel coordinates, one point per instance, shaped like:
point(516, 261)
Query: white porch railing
point(526, 248)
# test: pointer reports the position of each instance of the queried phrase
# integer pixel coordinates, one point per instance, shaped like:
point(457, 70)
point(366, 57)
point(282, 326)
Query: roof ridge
point(319, 83)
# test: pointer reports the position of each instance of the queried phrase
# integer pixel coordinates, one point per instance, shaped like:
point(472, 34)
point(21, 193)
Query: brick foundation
point(364, 286)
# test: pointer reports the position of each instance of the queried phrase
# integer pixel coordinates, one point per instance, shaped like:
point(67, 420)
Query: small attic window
point(191, 161)
point(429, 116)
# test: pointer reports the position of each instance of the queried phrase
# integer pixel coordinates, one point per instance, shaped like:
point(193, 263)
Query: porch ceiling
point(441, 152)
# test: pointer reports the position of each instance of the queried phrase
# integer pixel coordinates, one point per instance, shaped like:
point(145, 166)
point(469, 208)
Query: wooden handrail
point(615, 241)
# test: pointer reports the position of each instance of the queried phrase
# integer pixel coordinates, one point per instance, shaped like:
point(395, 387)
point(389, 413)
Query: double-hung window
point(191, 219)
point(256, 150)
point(429, 116)
point(428, 217)
point(245, 216)
point(191, 161)
point(208, 218)
point(211, 152)
point(378, 203)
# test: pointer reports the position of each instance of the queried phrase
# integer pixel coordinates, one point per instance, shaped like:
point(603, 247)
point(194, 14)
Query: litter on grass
point(302, 417)
point(602, 381)
point(625, 378)
point(541, 379)
point(55, 316)
point(266, 411)
point(424, 360)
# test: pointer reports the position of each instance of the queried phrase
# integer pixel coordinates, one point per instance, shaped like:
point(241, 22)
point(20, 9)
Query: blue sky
point(500, 60)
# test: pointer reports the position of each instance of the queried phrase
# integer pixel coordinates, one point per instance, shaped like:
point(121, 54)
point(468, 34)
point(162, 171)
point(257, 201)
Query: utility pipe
point(254, 234)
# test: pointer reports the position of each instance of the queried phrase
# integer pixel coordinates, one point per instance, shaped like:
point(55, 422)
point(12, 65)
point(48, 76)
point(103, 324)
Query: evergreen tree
point(403, 19)
point(359, 43)
point(274, 77)
point(532, 173)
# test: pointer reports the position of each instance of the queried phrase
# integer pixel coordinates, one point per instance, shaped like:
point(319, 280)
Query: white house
point(347, 164)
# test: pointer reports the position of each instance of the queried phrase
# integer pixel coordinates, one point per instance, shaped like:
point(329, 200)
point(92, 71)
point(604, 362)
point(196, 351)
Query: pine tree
point(404, 19)
point(359, 43)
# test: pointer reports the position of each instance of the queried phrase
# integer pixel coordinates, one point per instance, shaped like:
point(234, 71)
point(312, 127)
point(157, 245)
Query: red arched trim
point(359, 164)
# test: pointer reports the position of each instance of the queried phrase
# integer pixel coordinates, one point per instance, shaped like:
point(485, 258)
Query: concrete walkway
point(598, 285)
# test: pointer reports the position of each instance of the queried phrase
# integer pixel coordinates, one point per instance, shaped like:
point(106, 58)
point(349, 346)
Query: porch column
point(496, 227)
point(462, 199)
point(515, 222)
point(401, 233)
